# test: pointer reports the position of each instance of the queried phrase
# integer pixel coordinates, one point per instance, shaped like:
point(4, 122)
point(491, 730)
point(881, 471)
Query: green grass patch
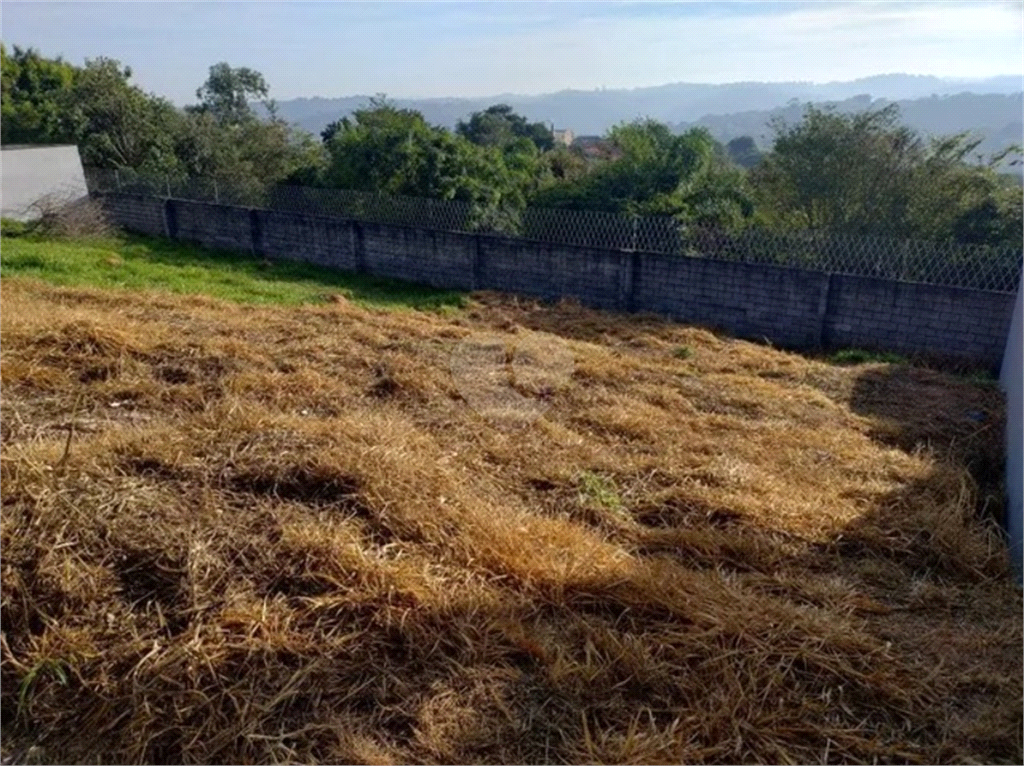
point(980, 378)
point(133, 262)
point(682, 352)
point(12, 228)
point(599, 491)
point(860, 356)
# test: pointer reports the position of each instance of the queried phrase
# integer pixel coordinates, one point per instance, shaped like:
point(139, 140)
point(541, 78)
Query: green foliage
point(658, 173)
point(499, 125)
point(248, 157)
point(743, 152)
point(228, 90)
point(599, 491)
point(115, 123)
point(146, 263)
point(682, 352)
point(33, 91)
point(222, 139)
point(395, 151)
point(56, 670)
point(860, 174)
point(563, 164)
point(861, 356)
point(10, 228)
point(867, 173)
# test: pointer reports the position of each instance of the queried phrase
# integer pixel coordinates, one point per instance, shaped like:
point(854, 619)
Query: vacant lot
point(237, 533)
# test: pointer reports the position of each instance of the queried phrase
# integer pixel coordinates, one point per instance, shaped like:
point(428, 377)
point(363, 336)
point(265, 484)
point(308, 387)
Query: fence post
point(168, 181)
point(117, 178)
point(216, 192)
point(478, 264)
point(636, 222)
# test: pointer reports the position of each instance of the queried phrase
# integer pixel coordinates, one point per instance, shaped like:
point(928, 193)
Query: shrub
point(58, 215)
point(10, 228)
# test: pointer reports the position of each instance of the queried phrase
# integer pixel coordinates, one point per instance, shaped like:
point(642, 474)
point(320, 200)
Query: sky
point(435, 49)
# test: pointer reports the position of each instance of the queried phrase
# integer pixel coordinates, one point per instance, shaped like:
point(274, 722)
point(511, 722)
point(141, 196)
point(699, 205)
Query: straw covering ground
point(280, 534)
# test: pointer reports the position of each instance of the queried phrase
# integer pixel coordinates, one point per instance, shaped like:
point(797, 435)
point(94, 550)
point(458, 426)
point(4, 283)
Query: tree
point(743, 151)
point(564, 164)
point(330, 131)
point(658, 173)
point(31, 97)
point(228, 90)
point(380, 148)
point(395, 151)
point(115, 123)
point(843, 173)
point(499, 125)
point(867, 173)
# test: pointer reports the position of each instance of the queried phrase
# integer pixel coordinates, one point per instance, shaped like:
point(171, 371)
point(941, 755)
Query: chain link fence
point(980, 267)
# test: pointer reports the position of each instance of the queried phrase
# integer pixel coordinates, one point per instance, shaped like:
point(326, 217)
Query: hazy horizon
point(420, 50)
point(457, 97)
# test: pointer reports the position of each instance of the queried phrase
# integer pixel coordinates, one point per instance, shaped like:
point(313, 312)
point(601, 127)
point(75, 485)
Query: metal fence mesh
point(981, 267)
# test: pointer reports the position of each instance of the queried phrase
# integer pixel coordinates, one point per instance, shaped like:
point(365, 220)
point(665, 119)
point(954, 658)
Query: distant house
point(31, 172)
point(564, 137)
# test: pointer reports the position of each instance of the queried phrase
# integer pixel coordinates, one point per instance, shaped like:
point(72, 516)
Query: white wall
point(1010, 379)
point(32, 172)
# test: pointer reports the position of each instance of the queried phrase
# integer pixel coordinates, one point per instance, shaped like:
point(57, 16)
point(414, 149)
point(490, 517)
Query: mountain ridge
point(594, 111)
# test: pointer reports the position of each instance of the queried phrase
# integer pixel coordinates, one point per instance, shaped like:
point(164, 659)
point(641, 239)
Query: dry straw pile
point(237, 534)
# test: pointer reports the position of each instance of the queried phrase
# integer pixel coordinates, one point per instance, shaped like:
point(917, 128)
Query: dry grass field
point(262, 534)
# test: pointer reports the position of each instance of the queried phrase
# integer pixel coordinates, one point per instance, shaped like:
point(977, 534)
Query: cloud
point(820, 43)
point(477, 49)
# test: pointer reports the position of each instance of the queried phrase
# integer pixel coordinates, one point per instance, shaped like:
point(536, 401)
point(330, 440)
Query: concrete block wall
point(293, 237)
point(916, 318)
point(590, 275)
point(792, 308)
point(1011, 379)
point(756, 301)
point(217, 226)
point(437, 258)
point(142, 214)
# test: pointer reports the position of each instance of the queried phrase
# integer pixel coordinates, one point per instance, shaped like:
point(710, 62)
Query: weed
point(861, 356)
point(599, 491)
point(980, 378)
point(56, 670)
point(682, 352)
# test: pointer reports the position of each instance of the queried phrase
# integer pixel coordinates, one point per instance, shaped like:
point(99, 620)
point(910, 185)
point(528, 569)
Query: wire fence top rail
point(953, 264)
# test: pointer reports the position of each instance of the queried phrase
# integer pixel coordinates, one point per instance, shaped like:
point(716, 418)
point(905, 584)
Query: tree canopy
point(32, 96)
point(867, 173)
point(228, 90)
point(499, 125)
point(860, 173)
point(656, 172)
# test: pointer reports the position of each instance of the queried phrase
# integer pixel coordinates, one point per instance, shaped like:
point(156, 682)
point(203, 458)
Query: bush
point(57, 215)
point(10, 228)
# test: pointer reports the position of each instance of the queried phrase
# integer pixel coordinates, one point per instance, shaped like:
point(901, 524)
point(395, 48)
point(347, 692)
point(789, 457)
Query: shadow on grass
point(958, 418)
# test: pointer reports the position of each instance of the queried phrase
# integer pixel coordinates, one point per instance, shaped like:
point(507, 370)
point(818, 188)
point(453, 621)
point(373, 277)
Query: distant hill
point(994, 116)
point(594, 111)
